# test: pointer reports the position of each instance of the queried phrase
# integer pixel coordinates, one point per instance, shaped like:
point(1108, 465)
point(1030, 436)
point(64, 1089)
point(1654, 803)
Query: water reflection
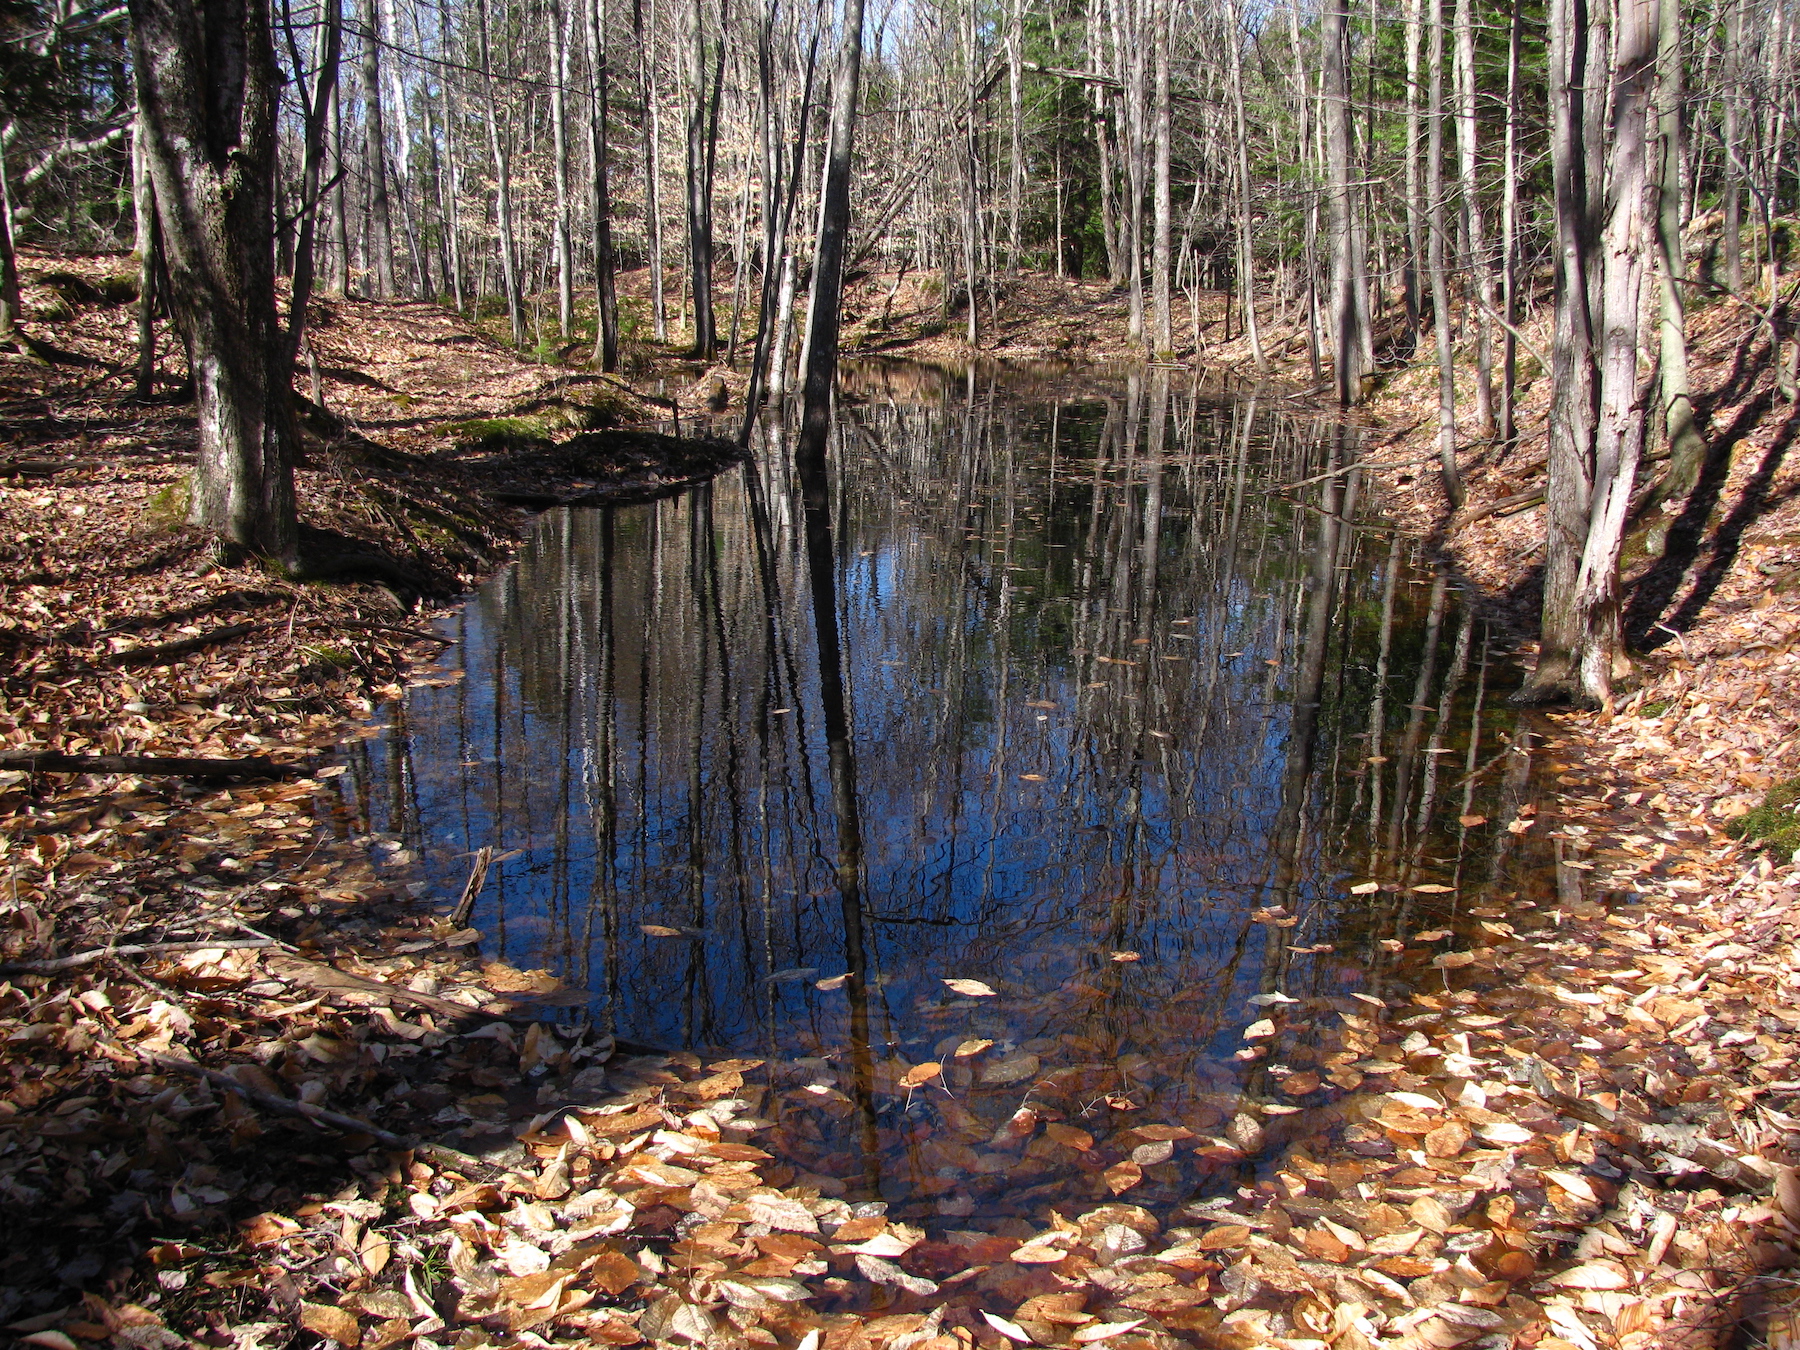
point(1069, 691)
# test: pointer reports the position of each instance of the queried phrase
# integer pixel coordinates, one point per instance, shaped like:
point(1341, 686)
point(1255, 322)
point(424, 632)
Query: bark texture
point(207, 86)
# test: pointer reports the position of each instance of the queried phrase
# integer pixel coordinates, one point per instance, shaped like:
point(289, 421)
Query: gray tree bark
point(207, 89)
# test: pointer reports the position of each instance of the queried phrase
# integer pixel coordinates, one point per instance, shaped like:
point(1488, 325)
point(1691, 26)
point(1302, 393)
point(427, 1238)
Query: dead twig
point(318, 1115)
point(51, 965)
point(472, 887)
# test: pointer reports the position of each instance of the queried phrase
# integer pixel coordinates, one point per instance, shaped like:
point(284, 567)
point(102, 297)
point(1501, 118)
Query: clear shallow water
point(1061, 689)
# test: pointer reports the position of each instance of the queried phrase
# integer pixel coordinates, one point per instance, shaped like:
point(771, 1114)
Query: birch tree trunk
point(557, 25)
point(1434, 248)
point(1162, 338)
point(606, 297)
point(834, 235)
point(1479, 270)
point(1347, 320)
point(509, 271)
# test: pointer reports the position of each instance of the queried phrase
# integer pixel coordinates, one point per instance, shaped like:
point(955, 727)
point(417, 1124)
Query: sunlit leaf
point(970, 988)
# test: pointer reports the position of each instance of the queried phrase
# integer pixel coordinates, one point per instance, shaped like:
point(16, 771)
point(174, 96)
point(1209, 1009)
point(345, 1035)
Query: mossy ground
point(1776, 823)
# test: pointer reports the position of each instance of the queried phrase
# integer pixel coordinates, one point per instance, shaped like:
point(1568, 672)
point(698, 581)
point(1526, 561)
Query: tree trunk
point(1434, 248)
point(9, 260)
point(1415, 207)
point(1509, 234)
point(702, 144)
point(208, 88)
point(1478, 265)
point(606, 338)
point(509, 272)
point(1240, 138)
point(558, 24)
point(143, 200)
point(381, 224)
point(659, 305)
point(1687, 449)
point(1162, 339)
point(315, 112)
point(1619, 434)
point(828, 260)
point(1347, 320)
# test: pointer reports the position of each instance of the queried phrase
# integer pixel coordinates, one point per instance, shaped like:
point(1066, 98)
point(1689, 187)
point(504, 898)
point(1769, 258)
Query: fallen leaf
point(970, 988)
point(1105, 1331)
point(334, 1324)
point(1122, 1176)
point(1011, 1330)
point(921, 1073)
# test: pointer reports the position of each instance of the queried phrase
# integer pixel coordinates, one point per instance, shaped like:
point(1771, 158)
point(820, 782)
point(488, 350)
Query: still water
point(1113, 697)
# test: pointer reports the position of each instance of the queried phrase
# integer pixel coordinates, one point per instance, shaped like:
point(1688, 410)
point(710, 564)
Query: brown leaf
point(1122, 1176)
point(334, 1324)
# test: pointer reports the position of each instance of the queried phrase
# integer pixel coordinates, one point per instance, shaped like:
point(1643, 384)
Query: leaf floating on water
point(972, 1047)
point(657, 930)
point(921, 1073)
point(1033, 778)
point(970, 988)
point(1127, 956)
point(1069, 1137)
point(1470, 822)
point(1014, 1068)
point(1432, 935)
point(1265, 1000)
point(1039, 703)
point(781, 1212)
point(1257, 1030)
point(886, 1272)
point(1365, 888)
point(1122, 1176)
point(1432, 888)
point(1453, 960)
point(834, 982)
point(1011, 1330)
point(793, 975)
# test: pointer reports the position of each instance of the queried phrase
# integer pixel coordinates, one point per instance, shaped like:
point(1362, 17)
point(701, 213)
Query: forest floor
point(237, 1137)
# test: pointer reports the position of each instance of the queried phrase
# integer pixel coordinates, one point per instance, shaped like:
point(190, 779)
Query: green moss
point(332, 656)
point(496, 433)
point(167, 508)
point(1776, 823)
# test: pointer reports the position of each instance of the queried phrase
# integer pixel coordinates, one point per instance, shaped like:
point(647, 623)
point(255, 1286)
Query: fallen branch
point(1506, 506)
point(160, 652)
point(318, 1115)
point(50, 965)
point(149, 766)
point(472, 887)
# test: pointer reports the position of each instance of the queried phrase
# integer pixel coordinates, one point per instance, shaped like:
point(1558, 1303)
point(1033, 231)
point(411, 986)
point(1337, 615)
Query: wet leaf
point(1105, 1331)
point(1258, 1030)
point(972, 1047)
point(1122, 1176)
point(970, 988)
point(921, 1073)
point(886, 1272)
point(1013, 1068)
point(833, 982)
point(1009, 1329)
point(1069, 1136)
